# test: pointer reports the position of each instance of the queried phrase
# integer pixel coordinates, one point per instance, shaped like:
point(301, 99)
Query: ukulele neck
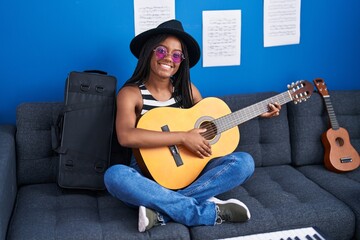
point(333, 121)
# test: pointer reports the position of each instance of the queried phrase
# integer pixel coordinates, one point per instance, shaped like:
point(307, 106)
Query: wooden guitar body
point(340, 155)
point(159, 163)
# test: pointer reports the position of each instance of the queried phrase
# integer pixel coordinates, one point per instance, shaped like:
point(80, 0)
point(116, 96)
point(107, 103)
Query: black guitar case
point(83, 134)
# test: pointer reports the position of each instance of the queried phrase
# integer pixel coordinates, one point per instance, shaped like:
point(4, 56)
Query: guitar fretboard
point(233, 119)
point(333, 121)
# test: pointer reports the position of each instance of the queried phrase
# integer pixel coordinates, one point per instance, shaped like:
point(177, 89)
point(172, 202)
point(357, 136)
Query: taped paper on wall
point(221, 38)
point(281, 22)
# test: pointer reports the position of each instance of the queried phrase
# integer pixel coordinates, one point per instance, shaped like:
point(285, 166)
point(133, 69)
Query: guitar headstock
point(321, 87)
point(300, 91)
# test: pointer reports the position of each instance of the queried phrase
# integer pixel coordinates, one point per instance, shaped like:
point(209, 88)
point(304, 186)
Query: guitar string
point(230, 120)
point(282, 98)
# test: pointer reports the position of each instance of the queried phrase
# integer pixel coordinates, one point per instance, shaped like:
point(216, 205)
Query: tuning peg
point(291, 86)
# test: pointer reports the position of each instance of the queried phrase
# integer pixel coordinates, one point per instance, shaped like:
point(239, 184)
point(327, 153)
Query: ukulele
point(340, 155)
point(175, 167)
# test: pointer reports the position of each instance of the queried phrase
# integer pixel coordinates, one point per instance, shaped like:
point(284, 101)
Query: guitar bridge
point(173, 149)
point(346, 160)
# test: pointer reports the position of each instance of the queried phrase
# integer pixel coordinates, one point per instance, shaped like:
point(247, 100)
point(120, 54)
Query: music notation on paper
point(281, 22)
point(221, 38)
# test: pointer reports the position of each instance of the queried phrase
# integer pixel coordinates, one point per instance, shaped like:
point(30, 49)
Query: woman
point(162, 78)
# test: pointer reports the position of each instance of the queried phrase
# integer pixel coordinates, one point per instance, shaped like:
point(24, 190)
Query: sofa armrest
point(8, 184)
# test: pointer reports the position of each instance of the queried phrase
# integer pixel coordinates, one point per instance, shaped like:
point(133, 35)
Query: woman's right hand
point(196, 143)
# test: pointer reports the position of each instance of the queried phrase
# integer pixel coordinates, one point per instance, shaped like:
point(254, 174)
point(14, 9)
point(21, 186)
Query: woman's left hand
point(274, 110)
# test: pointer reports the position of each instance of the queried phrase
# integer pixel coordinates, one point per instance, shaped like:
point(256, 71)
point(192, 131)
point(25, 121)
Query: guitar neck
point(333, 121)
point(236, 118)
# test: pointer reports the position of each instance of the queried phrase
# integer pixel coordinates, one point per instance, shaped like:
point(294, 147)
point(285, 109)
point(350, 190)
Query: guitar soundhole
point(339, 141)
point(211, 130)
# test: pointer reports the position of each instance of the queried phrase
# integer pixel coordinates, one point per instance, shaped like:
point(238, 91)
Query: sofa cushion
point(267, 140)
point(345, 186)
point(44, 211)
point(310, 119)
point(36, 162)
point(281, 198)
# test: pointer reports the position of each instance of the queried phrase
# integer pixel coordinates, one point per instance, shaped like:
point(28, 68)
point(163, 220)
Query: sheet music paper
point(149, 14)
point(281, 22)
point(221, 38)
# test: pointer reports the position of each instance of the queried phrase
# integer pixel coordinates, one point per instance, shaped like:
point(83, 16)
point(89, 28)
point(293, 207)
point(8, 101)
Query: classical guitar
point(340, 155)
point(175, 167)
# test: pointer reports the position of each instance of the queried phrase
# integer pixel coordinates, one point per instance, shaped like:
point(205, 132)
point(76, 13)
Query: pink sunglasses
point(161, 52)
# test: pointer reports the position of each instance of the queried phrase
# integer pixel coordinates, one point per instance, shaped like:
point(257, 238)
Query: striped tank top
point(149, 102)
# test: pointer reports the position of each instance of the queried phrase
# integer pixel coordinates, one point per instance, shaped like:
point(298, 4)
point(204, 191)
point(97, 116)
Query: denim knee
point(245, 163)
point(114, 175)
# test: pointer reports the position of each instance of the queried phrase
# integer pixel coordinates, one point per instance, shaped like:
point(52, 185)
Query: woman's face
point(164, 62)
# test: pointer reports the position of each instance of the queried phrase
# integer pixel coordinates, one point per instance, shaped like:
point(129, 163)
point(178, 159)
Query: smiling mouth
point(166, 66)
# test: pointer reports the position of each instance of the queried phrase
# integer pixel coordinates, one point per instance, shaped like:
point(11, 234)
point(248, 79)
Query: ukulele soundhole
point(339, 141)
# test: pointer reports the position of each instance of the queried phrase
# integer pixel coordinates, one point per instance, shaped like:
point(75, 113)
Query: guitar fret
point(231, 120)
point(331, 113)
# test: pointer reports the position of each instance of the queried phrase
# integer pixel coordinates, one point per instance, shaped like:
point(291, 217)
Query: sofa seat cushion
point(345, 186)
point(44, 211)
point(281, 198)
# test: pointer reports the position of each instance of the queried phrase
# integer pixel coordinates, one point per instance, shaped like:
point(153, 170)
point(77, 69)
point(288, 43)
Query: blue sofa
point(290, 188)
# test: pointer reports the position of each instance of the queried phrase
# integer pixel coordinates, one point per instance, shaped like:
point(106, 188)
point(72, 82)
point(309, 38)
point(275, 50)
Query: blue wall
point(42, 41)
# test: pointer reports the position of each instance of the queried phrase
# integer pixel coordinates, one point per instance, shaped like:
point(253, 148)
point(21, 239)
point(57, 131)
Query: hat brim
point(191, 44)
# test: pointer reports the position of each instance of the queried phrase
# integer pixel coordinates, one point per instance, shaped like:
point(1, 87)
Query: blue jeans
point(188, 206)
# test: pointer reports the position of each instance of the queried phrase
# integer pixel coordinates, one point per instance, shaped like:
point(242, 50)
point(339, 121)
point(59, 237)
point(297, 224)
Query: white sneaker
point(147, 219)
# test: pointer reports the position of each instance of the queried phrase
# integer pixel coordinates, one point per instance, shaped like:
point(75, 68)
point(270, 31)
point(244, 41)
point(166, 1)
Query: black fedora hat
point(173, 27)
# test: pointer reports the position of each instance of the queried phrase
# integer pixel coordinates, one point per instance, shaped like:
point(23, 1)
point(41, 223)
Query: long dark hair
point(181, 79)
